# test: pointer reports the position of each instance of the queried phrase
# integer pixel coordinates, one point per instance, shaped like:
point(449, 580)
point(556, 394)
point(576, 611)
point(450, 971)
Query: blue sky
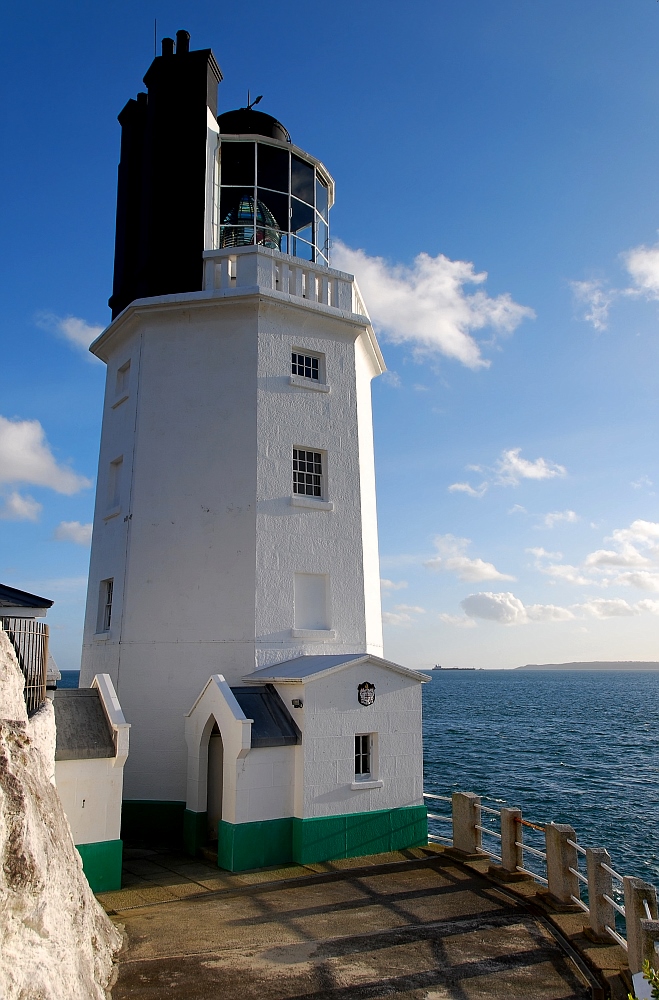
point(515, 437)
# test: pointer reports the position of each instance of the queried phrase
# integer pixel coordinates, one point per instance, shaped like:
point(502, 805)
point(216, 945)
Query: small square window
point(305, 366)
point(106, 594)
point(307, 473)
point(363, 744)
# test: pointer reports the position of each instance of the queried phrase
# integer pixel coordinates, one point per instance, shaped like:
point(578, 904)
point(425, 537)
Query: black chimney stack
point(161, 196)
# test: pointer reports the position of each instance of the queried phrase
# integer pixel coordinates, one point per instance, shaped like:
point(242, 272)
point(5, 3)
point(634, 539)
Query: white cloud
point(391, 585)
point(601, 608)
point(518, 509)
point(642, 481)
point(403, 614)
point(512, 468)
point(541, 553)
point(392, 379)
point(451, 558)
point(426, 305)
point(479, 491)
point(642, 263)
point(25, 457)
point(506, 609)
point(509, 470)
point(74, 531)
point(78, 332)
point(20, 508)
point(596, 299)
point(556, 516)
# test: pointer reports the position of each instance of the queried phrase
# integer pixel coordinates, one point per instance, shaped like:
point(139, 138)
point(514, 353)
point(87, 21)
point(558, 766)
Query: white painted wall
point(204, 543)
point(90, 791)
point(330, 718)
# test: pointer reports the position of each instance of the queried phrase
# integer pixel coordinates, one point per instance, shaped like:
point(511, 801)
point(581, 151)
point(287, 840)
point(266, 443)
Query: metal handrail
point(611, 871)
point(442, 798)
point(579, 902)
point(485, 829)
point(616, 906)
point(447, 819)
point(616, 937)
point(532, 850)
point(487, 809)
point(582, 878)
point(526, 871)
point(577, 847)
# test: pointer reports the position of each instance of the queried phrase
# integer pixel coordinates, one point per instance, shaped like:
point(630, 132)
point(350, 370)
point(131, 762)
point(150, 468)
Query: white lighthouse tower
point(234, 581)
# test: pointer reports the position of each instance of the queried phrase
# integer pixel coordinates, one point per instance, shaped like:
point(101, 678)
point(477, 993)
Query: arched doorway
point(214, 783)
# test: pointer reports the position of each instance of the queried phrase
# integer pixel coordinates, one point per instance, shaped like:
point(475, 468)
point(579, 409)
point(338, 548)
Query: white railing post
point(297, 285)
point(563, 884)
point(466, 808)
point(209, 275)
point(344, 298)
point(600, 884)
point(637, 894)
point(511, 834)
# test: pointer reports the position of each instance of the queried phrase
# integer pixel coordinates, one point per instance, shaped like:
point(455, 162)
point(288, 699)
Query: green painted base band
point(152, 823)
point(195, 834)
point(254, 845)
point(101, 864)
point(351, 835)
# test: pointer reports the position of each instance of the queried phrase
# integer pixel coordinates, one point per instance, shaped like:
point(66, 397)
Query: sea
point(577, 747)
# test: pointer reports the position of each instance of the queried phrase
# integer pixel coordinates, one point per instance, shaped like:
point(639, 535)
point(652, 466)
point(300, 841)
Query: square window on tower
point(307, 473)
point(305, 365)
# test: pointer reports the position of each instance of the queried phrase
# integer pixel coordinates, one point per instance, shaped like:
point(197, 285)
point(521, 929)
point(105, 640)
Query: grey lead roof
point(272, 725)
point(306, 667)
point(83, 731)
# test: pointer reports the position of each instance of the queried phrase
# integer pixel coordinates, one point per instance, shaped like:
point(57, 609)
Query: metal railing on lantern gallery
point(637, 929)
point(269, 269)
point(30, 641)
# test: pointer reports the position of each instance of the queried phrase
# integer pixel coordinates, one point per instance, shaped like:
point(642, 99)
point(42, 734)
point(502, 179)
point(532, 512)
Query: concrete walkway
point(416, 925)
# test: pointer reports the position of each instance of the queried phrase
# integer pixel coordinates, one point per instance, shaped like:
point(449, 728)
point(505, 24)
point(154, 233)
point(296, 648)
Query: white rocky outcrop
point(57, 942)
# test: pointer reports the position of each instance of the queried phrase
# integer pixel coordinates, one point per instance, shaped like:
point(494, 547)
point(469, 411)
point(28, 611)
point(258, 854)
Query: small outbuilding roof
point(272, 725)
point(83, 731)
point(308, 668)
point(10, 597)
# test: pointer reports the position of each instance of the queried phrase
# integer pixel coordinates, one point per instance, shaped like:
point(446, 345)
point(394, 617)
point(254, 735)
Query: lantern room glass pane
point(322, 198)
point(302, 180)
point(301, 215)
point(277, 204)
point(272, 167)
point(236, 217)
point(237, 163)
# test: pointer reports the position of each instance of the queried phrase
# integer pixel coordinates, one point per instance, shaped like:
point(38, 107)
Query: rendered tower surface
point(234, 580)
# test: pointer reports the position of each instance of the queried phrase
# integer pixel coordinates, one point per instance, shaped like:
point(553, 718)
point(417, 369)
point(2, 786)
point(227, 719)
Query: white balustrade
point(256, 266)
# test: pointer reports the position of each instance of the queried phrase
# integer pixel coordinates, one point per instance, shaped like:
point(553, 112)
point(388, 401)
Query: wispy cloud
point(17, 507)
point(77, 332)
point(509, 470)
point(507, 609)
point(426, 305)
point(596, 297)
point(632, 560)
point(457, 621)
point(74, 531)
point(596, 300)
point(386, 585)
point(25, 457)
point(451, 557)
point(557, 516)
point(403, 614)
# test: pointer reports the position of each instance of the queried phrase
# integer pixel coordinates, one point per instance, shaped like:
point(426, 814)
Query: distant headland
point(594, 665)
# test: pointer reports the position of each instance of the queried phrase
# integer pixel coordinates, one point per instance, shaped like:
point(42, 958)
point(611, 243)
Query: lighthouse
point(234, 580)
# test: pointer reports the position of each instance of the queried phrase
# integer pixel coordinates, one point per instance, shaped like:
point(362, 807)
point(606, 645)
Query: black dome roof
point(245, 121)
